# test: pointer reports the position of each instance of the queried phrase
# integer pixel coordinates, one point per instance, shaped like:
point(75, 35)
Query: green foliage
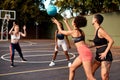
point(29, 12)
point(26, 10)
point(83, 6)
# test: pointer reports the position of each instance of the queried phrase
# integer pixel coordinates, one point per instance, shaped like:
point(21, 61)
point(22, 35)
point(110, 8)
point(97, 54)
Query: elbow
point(9, 33)
point(61, 31)
point(112, 41)
point(24, 35)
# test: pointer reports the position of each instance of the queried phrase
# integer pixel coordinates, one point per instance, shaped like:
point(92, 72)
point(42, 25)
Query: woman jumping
point(85, 55)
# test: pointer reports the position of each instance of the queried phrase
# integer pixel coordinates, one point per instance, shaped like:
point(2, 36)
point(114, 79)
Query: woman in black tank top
point(103, 43)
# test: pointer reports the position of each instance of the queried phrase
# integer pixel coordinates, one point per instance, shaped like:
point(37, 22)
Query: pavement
point(39, 54)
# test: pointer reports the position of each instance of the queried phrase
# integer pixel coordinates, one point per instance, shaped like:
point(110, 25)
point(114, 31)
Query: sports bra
point(14, 37)
point(99, 41)
point(80, 38)
point(60, 36)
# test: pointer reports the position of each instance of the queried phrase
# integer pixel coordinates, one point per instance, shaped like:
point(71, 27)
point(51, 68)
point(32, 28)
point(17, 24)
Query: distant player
point(60, 42)
point(15, 36)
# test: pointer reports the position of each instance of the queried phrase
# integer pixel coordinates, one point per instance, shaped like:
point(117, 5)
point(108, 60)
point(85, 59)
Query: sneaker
point(51, 63)
point(12, 65)
point(69, 64)
point(23, 60)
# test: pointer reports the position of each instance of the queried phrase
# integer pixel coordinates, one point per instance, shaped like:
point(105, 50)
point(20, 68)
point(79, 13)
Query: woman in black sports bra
point(85, 55)
point(103, 42)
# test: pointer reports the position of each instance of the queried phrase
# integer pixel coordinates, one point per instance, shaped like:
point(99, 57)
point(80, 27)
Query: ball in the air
point(51, 10)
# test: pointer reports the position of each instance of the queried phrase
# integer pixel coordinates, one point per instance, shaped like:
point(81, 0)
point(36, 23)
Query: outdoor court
point(39, 54)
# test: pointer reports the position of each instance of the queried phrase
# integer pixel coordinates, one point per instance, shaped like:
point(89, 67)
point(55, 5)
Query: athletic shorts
point(61, 43)
point(101, 50)
point(85, 53)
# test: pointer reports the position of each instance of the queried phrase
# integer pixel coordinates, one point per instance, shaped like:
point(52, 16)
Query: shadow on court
point(39, 54)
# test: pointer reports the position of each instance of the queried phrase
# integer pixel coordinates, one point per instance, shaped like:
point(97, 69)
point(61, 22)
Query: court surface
point(39, 54)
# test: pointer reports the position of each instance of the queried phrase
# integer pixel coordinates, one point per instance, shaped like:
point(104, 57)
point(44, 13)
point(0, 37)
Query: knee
point(93, 71)
point(105, 76)
point(56, 52)
point(66, 52)
point(71, 69)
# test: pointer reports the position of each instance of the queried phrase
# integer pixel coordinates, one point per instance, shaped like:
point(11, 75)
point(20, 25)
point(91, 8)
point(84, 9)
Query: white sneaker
point(51, 63)
point(69, 64)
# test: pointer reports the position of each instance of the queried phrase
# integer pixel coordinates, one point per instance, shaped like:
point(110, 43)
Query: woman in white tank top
point(15, 37)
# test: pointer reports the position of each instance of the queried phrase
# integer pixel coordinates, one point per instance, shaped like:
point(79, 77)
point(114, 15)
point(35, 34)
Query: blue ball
point(51, 10)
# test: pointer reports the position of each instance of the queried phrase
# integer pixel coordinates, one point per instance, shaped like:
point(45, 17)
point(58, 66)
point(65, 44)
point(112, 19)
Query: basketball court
point(39, 54)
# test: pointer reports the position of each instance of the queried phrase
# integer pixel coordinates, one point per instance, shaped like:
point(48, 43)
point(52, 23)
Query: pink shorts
point(85, 53)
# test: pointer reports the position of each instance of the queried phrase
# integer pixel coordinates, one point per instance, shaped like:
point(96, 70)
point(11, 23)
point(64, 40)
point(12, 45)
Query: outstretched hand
point(14, 24)
point(24, 27)
point(65, 20)
point(55, 20)
point(57, 23)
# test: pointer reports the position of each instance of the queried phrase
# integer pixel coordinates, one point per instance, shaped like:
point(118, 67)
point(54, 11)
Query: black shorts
point(101, 50)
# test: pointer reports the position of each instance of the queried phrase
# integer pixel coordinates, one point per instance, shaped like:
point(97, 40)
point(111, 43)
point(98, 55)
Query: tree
point(27, 12)
point(83, 6)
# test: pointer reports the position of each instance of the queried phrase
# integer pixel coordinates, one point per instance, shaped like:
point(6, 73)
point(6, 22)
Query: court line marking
point(23, 50)
point(6, 58)
point(116, 60)
point(31, 71)
point(43, 55)
point(22, 44)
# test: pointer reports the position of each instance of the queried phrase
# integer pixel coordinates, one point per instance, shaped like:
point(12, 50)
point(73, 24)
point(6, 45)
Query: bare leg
point(77, 62)
point(54, 56)
point(67, 56)
point(88, 70)
point(95, 66)
point(53, 59)
point(105, 69)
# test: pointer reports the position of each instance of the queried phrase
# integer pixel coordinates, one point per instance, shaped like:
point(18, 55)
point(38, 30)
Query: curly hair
point(99, 18)
point(80, 21)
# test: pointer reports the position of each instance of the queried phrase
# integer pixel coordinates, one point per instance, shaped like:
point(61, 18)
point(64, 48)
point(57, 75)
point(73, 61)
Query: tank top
point(14, 37)
point(99, 41)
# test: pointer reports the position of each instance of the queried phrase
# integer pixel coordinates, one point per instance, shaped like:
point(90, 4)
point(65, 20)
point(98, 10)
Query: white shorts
point(61, 43)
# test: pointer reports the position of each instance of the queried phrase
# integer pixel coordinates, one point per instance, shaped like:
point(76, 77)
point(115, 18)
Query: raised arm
point(68, 42)
point(24, 33)
point(67, 25)
point(10, 32)
point(59, 27)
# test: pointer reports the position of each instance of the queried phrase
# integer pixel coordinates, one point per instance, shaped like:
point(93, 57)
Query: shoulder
point(12, 33)
point(101, 30)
